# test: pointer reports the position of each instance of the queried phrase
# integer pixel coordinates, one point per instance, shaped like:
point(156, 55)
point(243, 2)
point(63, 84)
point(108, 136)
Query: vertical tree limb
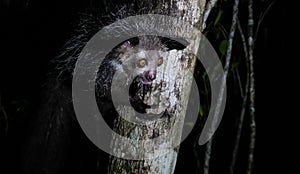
point(244, 106)
point(210, 5)
point(207, 156)
point(223, 84)
point(252, 88)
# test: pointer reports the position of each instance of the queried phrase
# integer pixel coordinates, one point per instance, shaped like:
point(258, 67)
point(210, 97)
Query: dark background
point(33, 33)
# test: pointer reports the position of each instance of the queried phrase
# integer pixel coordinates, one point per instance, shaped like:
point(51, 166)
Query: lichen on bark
point(173, 82)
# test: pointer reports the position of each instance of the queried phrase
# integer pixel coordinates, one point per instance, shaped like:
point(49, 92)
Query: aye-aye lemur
point(136, 59)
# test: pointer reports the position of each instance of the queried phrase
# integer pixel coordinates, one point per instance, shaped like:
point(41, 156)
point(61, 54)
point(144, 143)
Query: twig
point(222, 30)
point(245, 99)
point(210, 5)
point(207, 157)
point(223, 83)
point(230, 40)
point(261, 18)
point(197, 156)
point(243, 41)
point(252, 88)
point(236, 71)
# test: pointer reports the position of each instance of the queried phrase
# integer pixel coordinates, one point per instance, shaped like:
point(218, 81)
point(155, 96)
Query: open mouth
point(137, 91)
point(145, 80)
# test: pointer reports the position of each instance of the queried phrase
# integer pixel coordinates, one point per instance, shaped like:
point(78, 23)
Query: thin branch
point(230, 40)
point(197, 156)
point(252, 89)
point(245, 99)
point(243, 40)
point(207, 157)
point(210, 5)
point(223, 83)
point(222, 30)
point(261, 18)
point(236, 71)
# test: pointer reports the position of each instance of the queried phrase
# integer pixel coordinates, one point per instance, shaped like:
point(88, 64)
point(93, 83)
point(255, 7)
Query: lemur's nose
point(151, 75)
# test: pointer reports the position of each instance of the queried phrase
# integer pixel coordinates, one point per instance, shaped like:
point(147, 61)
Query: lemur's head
point(144, 58)
point(147, 62)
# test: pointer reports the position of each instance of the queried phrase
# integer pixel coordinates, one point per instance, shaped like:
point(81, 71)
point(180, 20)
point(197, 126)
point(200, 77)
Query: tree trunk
point(157, 153)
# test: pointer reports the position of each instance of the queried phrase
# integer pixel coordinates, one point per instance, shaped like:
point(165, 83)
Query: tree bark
point(252, 88)
point(175, 80)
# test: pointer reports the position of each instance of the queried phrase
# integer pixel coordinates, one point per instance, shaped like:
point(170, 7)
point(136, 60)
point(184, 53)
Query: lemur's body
point(139, 61)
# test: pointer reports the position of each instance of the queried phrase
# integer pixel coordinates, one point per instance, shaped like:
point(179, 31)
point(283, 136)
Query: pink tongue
point(146, 81)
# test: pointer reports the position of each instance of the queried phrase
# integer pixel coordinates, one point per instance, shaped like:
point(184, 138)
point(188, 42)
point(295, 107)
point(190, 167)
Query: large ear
point(125, 47)
point(174, 43)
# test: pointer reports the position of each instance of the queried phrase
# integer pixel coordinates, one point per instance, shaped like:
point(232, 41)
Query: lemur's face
point(141, 62)
point(146, 64)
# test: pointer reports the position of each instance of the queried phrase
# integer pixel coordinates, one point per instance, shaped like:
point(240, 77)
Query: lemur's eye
point(160, 61)
point(142, 62)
